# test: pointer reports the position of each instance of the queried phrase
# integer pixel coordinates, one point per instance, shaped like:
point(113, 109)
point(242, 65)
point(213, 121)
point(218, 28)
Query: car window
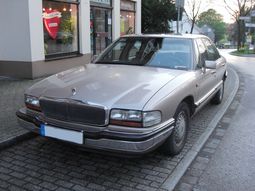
point(174, 53)
point(134, 49)
point(116, 51)
point(212, 52)
point(202, 53)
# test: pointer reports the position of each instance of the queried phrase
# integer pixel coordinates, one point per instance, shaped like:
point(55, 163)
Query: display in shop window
point(51, 19)
point(60, 28)
point(127, 22)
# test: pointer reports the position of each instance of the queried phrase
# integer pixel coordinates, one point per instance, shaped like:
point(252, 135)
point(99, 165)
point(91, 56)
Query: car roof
point(186, 36)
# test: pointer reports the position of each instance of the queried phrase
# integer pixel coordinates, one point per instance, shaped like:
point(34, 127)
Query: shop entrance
point(100, 29)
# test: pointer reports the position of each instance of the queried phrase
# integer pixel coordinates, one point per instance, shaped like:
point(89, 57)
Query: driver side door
point(206, 78)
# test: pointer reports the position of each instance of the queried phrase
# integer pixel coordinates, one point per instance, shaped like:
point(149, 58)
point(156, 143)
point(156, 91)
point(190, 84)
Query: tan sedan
point(139, 94)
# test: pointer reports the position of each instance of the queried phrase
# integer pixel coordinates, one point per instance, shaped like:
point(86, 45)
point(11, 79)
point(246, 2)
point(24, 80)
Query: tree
point(232, 32)
point(215, 21)
point(193, 9)
point(237, 8)
point(156, 15)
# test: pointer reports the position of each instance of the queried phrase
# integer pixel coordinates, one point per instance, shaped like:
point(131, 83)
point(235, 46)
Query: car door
point(206, 78)
point(213, 55)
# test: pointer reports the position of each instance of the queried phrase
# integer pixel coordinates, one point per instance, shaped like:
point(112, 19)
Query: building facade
point(43, 37)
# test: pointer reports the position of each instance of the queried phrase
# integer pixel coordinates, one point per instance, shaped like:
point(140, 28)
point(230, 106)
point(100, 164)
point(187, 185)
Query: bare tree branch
point(193, 10)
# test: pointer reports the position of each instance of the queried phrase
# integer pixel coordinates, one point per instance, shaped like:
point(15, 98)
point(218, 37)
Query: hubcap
point(180, 128)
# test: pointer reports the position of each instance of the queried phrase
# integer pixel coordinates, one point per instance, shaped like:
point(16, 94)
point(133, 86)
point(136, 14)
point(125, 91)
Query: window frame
point(58, 56)
point(208, 43)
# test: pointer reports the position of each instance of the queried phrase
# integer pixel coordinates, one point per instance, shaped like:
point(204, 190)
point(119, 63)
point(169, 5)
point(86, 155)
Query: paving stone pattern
point(11, 98)
point(45, 164)
point(190, 180)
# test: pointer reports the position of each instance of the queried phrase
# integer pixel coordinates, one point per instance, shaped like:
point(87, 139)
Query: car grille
point(72, 111)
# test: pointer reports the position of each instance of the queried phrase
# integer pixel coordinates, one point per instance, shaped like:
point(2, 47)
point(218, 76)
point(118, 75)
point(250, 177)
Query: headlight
point(133, 118)
point(32, 102)
point(151, 118)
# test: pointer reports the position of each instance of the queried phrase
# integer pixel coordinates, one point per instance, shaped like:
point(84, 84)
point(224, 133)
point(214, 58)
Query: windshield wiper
point(181, 67)
point(117, 62)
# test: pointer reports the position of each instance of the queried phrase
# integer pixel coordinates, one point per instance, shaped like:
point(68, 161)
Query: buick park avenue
point(138, 95)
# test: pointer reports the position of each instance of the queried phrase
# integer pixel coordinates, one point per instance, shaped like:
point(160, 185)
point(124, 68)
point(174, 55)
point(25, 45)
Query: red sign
point(51, 19)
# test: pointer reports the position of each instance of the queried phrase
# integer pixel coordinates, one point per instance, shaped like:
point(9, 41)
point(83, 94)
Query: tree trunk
point(192, 27)
point(238, 36)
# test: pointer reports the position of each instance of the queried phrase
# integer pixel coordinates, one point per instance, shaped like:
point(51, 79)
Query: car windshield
point(173, 53)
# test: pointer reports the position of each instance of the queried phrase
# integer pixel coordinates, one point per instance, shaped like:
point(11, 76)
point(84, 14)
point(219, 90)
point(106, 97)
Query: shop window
point(60, 19)
point(127, 17)
point(100, 25)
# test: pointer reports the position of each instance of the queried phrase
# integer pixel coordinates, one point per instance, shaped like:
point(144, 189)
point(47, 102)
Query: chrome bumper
point(120, 142)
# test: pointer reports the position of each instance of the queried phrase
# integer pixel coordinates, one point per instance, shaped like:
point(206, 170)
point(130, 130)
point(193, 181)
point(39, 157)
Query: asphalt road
point(232, 167)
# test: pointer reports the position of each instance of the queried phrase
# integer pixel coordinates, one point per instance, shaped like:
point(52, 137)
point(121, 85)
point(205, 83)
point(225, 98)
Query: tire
point(217, 99)
point(176, 141)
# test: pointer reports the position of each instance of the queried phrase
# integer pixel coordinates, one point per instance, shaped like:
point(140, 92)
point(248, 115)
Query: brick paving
point(45, 164)
point(11, 98)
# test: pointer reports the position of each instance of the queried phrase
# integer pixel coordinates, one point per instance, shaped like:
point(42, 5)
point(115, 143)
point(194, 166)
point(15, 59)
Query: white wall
point(14, 30)
point(36, 30)
point(85, 44)
point(21, 30)
point(116, 19)
point(138, 18)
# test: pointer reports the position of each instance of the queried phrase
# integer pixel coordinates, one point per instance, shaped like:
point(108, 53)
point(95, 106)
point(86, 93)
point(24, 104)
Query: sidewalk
point(11, 99)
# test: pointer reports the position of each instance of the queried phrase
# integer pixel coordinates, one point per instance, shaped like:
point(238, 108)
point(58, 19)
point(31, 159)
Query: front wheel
point(217, 99)
point(175, 142)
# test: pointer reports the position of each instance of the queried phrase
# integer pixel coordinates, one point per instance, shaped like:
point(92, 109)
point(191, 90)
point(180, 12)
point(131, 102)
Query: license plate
point(62, 134)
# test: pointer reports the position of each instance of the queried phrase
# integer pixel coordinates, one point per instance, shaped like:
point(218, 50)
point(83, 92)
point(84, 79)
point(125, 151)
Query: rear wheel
point(175, 142)
point(217, 99)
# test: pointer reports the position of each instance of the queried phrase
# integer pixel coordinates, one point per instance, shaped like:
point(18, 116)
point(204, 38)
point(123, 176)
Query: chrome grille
point(72, 111)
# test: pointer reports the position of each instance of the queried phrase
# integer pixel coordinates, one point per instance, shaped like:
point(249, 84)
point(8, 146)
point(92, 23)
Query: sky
point(218, 5)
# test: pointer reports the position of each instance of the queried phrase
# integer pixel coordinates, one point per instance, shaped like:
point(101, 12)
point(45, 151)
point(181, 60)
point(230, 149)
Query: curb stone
point(15, 140)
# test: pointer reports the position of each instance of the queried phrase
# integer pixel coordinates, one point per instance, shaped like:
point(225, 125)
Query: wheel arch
point(190, 101)
point(225, 76)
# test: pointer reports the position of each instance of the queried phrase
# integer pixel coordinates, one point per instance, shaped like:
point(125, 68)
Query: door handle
point(223, 64)
point(213, 72)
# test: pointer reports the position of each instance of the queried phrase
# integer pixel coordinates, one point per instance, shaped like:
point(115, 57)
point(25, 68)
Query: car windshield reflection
point(173, 53)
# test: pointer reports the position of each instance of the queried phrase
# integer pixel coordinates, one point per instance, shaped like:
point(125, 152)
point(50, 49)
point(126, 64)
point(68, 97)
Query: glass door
point(100, 29)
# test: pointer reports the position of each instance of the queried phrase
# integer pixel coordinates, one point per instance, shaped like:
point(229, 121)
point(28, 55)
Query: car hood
point(111, 86)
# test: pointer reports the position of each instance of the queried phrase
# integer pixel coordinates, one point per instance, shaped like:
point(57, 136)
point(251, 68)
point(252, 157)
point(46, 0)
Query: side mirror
point(210, 64)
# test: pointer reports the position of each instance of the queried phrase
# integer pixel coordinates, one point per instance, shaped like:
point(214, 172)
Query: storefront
point(127, 17)
point(100, 25)
point(49, 36)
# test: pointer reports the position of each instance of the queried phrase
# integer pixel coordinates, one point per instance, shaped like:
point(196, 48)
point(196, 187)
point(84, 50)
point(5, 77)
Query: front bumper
point(106, 139)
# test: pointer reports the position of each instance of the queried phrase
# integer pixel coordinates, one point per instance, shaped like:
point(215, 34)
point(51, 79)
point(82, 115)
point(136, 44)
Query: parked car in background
point(139, 94)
